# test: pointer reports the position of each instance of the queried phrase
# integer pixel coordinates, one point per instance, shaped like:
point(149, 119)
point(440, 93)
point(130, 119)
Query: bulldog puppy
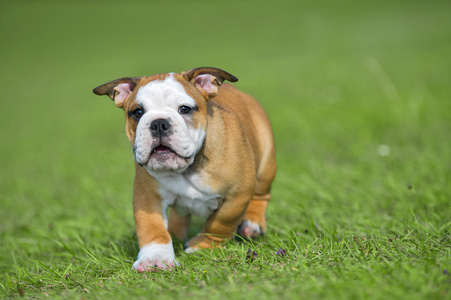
point(202, 148)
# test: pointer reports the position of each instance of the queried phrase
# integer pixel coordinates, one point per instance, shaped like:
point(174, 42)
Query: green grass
point(342, 83)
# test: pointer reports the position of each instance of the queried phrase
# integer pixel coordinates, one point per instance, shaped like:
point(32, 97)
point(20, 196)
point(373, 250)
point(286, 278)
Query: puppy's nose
point(160, 127)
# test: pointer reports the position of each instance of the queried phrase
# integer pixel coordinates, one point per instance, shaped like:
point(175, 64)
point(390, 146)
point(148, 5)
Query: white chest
point(189, 195)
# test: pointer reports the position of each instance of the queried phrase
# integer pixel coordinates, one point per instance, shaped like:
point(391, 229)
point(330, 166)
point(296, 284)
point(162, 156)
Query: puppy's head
point(166, 114)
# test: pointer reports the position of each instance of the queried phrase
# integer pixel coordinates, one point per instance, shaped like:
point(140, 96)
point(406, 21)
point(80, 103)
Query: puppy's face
point(166, 114)
point(166, 123)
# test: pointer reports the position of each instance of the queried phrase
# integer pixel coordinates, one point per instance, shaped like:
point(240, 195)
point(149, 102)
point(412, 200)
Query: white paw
point(153, 257)
point(249, 229)
point(190, 250)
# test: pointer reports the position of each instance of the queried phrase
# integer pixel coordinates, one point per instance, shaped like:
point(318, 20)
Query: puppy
point(202, 148)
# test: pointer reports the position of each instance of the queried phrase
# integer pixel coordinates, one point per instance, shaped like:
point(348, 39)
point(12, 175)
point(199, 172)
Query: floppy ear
point(118, 90)
point(208, 79)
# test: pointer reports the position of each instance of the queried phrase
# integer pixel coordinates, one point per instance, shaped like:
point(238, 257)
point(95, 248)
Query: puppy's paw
point(203, 241)
point(191, 250)
point(248, 229)
point(155, 257)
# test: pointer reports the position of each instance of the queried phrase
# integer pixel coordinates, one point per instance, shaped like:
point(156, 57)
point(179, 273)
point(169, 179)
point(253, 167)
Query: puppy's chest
point(189, 195)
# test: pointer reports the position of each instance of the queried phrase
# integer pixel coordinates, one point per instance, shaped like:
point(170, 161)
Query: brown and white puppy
point(200, 147)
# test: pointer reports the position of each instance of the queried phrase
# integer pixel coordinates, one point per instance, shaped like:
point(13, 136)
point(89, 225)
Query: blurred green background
point(358, 93)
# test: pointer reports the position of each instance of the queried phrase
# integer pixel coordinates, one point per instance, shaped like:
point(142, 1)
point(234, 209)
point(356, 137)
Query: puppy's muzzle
point(160, 128)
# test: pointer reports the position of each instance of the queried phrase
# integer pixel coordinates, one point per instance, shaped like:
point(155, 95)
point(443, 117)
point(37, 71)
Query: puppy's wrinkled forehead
point(163, 93)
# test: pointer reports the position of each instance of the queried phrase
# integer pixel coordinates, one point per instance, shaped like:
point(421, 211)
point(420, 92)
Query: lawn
point(359, 97)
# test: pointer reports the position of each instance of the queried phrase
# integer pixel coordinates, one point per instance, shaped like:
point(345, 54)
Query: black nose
point(160, 127)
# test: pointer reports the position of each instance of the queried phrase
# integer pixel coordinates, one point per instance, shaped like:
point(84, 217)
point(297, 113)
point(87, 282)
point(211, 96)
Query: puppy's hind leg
point(254, 220)
point(178, 225)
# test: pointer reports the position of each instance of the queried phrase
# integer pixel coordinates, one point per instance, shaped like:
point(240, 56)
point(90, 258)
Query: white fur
point(163, 93)
point(151, 253)
point(188, 194)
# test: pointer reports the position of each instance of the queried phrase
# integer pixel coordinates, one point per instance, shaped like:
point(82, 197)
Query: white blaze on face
point(161, 99)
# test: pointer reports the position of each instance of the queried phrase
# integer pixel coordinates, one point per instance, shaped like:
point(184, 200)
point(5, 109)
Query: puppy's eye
point(183, 110)
point(137, 113)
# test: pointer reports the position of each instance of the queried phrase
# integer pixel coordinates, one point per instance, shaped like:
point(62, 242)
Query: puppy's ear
point(208, 79)
point(118, 90)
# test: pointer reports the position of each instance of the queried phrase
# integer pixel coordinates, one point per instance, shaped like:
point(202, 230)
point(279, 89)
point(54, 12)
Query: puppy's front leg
point(221, 225)
point(156, 251)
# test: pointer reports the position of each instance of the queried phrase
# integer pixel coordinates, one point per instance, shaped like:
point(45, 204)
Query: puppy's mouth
point(160, 158)
point(162, 149)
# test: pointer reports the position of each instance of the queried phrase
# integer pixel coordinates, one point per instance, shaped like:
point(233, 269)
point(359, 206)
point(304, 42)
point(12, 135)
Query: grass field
point(359, 97)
